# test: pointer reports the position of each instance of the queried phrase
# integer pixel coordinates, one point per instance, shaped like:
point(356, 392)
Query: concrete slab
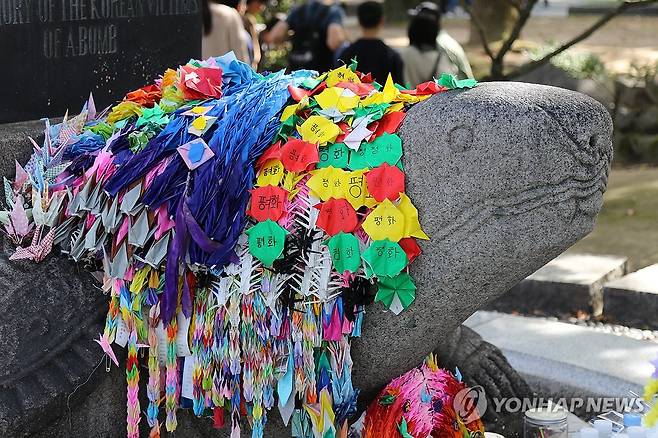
point(574, 425)
point(480, 317)
point(578, 268)
point(633, 299)
point(569, 360)
point(567, 284)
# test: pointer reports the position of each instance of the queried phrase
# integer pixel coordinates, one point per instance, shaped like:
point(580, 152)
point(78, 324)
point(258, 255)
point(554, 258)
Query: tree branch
point(515, 4)
point(524, 14)
point(532, 65)
point(478, 25)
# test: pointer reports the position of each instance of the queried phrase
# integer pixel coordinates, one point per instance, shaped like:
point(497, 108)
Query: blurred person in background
point(371, 53)
point(318, 33)
point(223, 30)
point(431, 52)
point(453, 50)
point(271, 56)
point(254, 9)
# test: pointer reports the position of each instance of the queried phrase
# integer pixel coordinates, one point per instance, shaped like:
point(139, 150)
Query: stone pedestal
point(567, 284)
point(633, 299)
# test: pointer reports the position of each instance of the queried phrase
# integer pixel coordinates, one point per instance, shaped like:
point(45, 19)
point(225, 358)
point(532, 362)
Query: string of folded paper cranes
point(239, 221)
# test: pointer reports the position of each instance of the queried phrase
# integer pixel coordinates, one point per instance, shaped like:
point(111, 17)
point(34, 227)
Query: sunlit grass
point(628, 223)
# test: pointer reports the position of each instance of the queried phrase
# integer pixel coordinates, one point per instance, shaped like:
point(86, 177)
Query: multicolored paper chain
point(171, 379)
point(153, 388)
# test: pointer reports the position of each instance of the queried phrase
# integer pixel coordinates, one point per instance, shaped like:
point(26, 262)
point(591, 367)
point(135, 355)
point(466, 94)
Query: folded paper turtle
point(235, 309)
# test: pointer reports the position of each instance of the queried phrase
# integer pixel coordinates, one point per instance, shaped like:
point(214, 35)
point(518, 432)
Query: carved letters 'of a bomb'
point(54, 52)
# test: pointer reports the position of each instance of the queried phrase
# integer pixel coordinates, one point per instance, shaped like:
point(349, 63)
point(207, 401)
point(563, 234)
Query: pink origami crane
point(107, 348)
point(39, 248)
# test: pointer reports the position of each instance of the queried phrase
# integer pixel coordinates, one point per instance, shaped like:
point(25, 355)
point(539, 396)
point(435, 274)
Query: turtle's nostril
point(597, 146)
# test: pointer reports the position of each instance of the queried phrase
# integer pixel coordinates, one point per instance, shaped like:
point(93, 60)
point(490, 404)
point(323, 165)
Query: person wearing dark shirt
point(318, 33)
point(371, 53)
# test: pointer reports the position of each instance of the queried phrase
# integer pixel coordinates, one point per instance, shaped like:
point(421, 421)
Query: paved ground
point(594, 361)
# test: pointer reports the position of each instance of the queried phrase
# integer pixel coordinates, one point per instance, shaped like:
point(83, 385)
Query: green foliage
point(645, 75)
point(643, 70)
point(578, 65)
point(275, 58)
point(275, 7)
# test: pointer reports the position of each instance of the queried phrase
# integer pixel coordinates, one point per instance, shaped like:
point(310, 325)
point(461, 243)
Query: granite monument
point(54, 52)
point(505, 176)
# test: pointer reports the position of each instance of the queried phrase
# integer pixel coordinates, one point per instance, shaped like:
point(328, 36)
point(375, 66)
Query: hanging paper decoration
point(335, 155)
point(385, 221)
point(337, 215)
point(195, 153)
point(241, 221)
point(318, 129)
point(384, 258)
point(345, 252)
point(449, 81)
point(385, 182)
point(266, 241)
point(267, 203)
point(298, 155)
point(397, 293)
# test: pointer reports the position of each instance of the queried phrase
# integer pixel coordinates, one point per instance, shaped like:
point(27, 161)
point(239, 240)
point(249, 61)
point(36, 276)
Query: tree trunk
point(497, 17)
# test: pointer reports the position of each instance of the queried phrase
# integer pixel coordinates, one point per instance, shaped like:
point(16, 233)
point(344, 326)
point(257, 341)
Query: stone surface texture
point(567, 284)
point(633, 299)
point(50, 313)
point(505, 176)
point(15, 145)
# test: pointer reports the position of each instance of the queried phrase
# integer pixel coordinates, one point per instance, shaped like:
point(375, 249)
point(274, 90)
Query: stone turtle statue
point(506, 176)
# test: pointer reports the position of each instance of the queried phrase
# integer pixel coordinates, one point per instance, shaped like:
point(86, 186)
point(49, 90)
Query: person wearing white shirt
point(223, 30)
point(431, 52)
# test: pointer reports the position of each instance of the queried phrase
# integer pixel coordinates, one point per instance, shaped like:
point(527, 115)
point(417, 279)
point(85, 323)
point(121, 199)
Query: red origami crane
point(384, 182)
point(267, 203)
point(337, 215)
point(389, 123)
point(199, 83)
point(145, 96)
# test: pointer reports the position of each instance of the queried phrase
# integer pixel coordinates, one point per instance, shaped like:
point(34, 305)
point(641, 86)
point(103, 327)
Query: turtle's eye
point(460, 138)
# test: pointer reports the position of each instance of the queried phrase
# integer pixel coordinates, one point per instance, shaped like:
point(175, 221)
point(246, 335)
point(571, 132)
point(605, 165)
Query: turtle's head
point(479, 157)
point(505, 177)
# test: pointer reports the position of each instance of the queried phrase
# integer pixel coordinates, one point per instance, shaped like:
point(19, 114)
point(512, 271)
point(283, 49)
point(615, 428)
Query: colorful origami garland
point(424, 402)
point(238, 233)
point(650, 392)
